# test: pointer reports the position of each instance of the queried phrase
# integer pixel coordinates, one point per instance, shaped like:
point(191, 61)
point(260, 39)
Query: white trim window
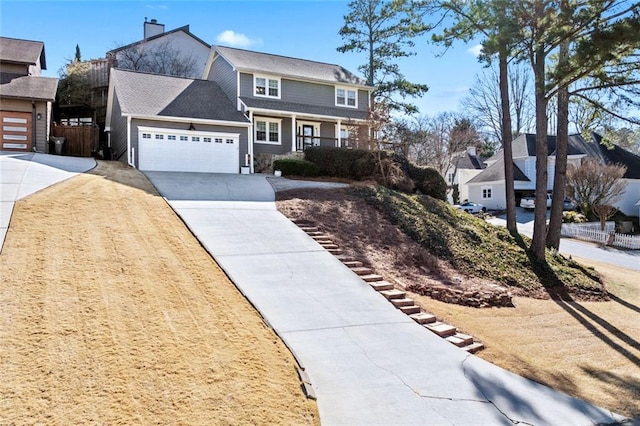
point(267, 131)
point(346, 97)
point(487, 192)
point(268, 87)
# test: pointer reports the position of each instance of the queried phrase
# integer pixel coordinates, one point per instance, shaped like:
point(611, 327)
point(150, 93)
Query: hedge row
point(296, 167)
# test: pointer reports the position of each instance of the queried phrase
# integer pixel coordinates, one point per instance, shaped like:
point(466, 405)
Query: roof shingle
point(153, 94)
point(246, 60)
point(22, 51)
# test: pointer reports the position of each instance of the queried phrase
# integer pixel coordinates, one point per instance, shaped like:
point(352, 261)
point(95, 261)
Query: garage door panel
point(15, 131)
point(219, 154)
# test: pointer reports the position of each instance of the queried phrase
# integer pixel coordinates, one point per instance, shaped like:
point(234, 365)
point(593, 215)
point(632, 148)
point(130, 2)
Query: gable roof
point(495, 172)
point(143, 94)
point(19, 51)
point(525, 146)
point(184, 29)
point(469, 162)
point(28, 87)
point(250, 61)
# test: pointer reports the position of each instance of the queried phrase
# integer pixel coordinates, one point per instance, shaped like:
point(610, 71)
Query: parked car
point(471, 207)
point(530, 202)
point(567, 204)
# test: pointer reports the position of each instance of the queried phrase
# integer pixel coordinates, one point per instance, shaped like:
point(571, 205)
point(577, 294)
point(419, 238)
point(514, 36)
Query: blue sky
point(303, 29)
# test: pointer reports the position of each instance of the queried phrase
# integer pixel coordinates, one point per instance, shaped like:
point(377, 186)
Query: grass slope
point(478, 248)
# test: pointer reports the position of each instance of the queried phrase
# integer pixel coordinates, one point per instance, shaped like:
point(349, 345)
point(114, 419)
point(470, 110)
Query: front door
point(307, 135)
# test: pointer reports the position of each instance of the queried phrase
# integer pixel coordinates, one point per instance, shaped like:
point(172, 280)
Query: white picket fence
point(591, 232)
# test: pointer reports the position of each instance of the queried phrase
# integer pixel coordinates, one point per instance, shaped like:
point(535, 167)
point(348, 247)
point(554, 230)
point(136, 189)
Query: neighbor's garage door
point(15, 132)
point(171, 151)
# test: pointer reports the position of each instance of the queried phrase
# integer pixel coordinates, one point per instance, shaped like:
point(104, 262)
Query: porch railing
point(303, 142)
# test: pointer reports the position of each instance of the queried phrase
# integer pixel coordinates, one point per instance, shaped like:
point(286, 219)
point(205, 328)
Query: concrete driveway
point(23, 173)
point(368, 362)
point(629, 259)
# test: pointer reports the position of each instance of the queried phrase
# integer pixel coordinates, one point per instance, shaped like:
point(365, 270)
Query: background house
point(465, 167)
point(488, 187)
point(25, 96)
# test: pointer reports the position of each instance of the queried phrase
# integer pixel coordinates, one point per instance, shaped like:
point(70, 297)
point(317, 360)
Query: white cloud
point(475, 50)
point(232, 38)
point(161, 6)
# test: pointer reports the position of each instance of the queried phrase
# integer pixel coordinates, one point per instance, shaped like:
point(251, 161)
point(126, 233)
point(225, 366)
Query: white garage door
point(187, 151)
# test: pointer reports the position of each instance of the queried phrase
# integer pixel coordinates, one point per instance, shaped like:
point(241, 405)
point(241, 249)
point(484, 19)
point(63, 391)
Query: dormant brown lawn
point(111, 312)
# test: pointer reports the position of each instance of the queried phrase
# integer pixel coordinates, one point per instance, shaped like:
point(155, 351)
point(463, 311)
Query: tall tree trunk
point(512, 225)
point(560, 172)
point(540, 212)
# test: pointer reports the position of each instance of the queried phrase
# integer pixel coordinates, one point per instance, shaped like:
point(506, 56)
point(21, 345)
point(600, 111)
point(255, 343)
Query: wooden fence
point(80, 141)
point(592, 232)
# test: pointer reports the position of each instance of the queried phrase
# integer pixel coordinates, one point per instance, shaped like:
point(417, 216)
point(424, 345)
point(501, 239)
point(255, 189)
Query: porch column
point(293, 133)
point(250, 143)
point(339, 134)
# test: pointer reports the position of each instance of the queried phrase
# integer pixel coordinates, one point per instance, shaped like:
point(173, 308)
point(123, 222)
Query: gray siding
point(223, 74)
point(118, 131)
point(302, 92)
point(135, 123)
point(285, 138)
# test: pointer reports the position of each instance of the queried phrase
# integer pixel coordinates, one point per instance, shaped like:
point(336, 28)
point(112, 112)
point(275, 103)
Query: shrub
point(295, 167)
point(573, 217)
point(428, 181)
point(356, 164)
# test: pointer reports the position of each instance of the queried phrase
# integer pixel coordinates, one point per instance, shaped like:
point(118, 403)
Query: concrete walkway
point(23, 173)
point(368, 362)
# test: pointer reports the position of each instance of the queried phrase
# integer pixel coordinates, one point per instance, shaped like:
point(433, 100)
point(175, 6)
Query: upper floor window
point(346, 97)
point(265, 86)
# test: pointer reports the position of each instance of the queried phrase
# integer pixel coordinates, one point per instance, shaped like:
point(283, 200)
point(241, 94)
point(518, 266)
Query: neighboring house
point(292, 103)
point(465, 167)
point(25, 96)
point(163, 123)
point(488, 187)
point(144, 53)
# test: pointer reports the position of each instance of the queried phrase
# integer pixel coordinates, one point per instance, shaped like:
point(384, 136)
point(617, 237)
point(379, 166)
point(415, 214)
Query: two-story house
point(25, 96)
point(488, 187)
point(248, 103)
point(292, 103)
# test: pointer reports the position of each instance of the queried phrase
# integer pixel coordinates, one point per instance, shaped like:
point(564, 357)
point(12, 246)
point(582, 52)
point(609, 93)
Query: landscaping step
point(409, 310)
point(361, 270)
point(352, 263)
point(441, 329)
point(423, 318)
point(334, 251)
point(329, 246)
point(460, 339)
point(315, 233)
point(474, 347)
point(309, 228)
point(401, 302)
point(381, 285)
point(322, 237)
point(393, 294)
point(372, 277)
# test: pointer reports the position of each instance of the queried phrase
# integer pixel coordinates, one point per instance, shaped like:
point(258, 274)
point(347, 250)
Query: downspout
point(130, 155)
point(34, 126)
point(339, 134)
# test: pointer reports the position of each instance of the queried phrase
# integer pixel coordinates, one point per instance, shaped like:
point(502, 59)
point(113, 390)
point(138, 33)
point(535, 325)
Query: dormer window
point(346, 97)
point(267, 86)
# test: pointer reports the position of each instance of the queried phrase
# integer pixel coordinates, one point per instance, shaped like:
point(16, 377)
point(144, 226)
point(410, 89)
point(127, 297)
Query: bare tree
point(157, 58)
point(484, 103)
point(593, 185)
